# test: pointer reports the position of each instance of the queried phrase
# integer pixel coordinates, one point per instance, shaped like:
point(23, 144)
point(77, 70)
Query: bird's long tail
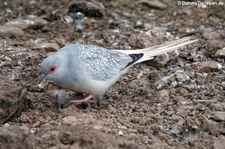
point(150, 52)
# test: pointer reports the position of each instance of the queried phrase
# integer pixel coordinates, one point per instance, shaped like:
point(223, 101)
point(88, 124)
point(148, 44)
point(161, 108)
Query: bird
point(92, 70)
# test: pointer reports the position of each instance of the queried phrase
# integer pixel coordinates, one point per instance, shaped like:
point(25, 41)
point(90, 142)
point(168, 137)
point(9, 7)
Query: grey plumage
point(92, 70)
point(100, 63)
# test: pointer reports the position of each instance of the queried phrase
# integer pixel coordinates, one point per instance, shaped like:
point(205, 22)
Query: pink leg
point(86, 99)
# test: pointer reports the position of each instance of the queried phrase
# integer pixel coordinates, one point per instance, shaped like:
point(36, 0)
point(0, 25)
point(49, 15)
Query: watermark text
point(200, 3)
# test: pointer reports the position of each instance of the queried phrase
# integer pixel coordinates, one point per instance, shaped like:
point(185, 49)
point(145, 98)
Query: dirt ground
point(174, 101)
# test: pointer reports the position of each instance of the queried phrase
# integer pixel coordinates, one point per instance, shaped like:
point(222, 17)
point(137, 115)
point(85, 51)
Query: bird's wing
point(103, 64)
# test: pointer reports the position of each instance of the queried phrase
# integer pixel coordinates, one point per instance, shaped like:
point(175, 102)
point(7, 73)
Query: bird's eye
point(52, 69)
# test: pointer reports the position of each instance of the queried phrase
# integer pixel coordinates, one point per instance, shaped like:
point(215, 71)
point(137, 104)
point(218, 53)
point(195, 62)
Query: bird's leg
point(86, 99)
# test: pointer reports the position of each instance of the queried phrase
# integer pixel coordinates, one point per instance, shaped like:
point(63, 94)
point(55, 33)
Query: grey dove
point(91, 70)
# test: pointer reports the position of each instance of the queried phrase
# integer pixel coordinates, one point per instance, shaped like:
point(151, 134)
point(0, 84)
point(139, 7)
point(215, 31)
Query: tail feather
point(150, 52)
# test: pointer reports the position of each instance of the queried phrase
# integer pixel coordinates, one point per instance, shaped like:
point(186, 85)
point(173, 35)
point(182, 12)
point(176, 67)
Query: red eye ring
point(52, 69)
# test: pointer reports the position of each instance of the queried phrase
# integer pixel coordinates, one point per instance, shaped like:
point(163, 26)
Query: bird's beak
point(42, 78)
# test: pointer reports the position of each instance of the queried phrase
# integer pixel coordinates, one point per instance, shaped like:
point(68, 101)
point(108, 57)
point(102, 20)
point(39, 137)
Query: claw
point(86, 99)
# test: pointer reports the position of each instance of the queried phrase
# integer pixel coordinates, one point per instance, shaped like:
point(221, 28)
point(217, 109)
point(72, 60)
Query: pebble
point(10, 31)
point(121, 133)
point(163, 95)
point(163, 82)
point(33, 130)
point(191, 87)
point(182, 77)
point(219, 116)
point(6, 125)
point(210, 126)
point(220, 53)
point(49, 47)
point(68, 19)
point(145, 139)
point(219, 143)
point(218, 106)
point(23, 24)
point(90, 9)
point(153, 4)
point(208, 66)
point(175, 131)
point(38, 23)
point(223, 84)
point(112, 110)
point(222, 33)
point(25, 129)
point(215, 44)
point(70, 120)
point(98, 127)
point(79, 25)
point(142, 40)
point(208, 34)
point(162, 59)
point(19, 23)
point(61, 98)
point(174, 83)
point(139, 24)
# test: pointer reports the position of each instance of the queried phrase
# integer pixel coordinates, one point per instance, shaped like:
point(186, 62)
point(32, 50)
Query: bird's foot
point(86, 99)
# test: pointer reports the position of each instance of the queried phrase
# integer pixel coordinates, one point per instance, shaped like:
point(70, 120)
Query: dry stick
point(19, 107)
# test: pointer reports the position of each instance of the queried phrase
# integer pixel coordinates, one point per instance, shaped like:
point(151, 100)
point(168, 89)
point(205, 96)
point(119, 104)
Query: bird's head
point(52, 69)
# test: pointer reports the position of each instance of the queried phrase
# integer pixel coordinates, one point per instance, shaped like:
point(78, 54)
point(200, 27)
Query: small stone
point(6, 125)
point(33, 130)
point(139, 24)
point(211, 126)
point(145, 139)
point(19, 23)
point(219, 116)
point(112, 110)
point(62, 100)
point(152, 4)
point(23, 24)
point(121, 133)
point(10, 31)
point(219, 143)
point(223, 84)
point(49, 47)
point(38, 23)
point(217, 106)
point(162, 59)
point(70, 120)
point(142, 40)
point(79, 25)
point(182, 77)
point(7, 58)
point(191, 87)
point(68, 19)
point(98, 127)
point(163, 82)
point(121, 127)
point(208, 66)
point(174, 83)
point(90, 9)
point(214, 45)
point(3, 113)
point(50, 53)
point(163, 95)
point(222, 33)
point(181, 123)
point(207, 34)
point(175, 131)
point(25, 129)
point(220, 53)
point(66, 138)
